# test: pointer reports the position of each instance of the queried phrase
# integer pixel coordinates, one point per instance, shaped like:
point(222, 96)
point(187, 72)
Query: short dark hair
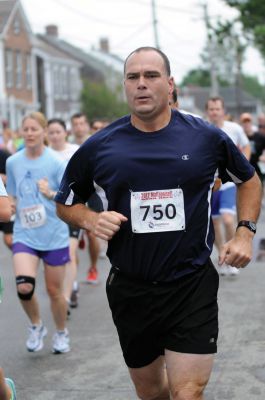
point(79, 115)
point(57, 121)
point(102, 120)
point(150, 48)
point(214, 98)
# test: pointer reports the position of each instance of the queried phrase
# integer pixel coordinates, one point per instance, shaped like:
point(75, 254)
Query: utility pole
point(212, 53)
point(155, 24)
point(240, 49)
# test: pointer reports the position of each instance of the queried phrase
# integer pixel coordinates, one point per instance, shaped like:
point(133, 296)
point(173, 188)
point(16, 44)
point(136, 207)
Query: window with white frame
point(18, 69)
point(9, 68)
point(16, 26)
point(28, 71)
point(64, 82)
point(56, 82)
point(74, 85)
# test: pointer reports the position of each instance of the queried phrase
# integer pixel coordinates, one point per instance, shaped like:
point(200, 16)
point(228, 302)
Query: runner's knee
point(228, 219)
point(154, 392)
point(191, 391)
point(25, 286)
point(54, 291)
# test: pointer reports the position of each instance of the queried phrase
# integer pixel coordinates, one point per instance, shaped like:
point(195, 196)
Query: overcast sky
point(128, 25)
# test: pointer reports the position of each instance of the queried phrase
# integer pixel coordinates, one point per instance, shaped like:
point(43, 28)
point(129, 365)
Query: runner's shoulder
point(16, 157)
point(204, 128)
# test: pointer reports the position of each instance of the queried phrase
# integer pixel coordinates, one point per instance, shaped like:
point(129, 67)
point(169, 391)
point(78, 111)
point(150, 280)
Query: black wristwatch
point(249, 225)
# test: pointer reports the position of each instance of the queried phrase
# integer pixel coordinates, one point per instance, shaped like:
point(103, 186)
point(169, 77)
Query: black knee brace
point(25, 279)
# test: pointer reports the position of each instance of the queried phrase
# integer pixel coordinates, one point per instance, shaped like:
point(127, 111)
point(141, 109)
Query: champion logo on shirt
point(185, 157)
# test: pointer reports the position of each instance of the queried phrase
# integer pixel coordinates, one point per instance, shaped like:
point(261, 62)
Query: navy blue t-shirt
point(121, 162)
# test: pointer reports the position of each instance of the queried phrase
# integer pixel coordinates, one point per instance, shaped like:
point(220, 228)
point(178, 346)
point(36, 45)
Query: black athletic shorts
point(150, 317)
point(7, 227)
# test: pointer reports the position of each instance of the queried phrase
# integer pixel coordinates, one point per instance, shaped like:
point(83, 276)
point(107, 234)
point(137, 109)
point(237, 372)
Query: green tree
point(197, 77)
point(98, 101)
point(200, 77)
point(252, 85)
point(252, 18)
point(225, 46)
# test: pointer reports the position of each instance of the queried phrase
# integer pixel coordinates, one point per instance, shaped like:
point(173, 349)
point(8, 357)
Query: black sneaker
point(74, 299)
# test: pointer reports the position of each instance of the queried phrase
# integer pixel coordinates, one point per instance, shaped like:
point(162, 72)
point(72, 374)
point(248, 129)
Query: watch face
point(252, 225)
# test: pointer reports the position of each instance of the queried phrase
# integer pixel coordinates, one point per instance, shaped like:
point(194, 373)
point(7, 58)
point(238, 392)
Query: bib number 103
point(33, 217)
point(157, 211)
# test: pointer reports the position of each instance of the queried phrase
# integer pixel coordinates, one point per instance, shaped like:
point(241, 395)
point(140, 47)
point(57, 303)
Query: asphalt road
point(94, 369)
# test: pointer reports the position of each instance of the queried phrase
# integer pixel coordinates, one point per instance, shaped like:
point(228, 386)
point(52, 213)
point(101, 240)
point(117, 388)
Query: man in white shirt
point(224, 200)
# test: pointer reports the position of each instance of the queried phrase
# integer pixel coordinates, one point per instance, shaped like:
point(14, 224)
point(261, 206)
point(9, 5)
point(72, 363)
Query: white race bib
point(157, 211)
point(33, 217)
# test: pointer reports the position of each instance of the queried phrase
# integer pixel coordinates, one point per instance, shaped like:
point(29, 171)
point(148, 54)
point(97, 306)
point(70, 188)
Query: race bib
point(157, 211)
point(33, 217)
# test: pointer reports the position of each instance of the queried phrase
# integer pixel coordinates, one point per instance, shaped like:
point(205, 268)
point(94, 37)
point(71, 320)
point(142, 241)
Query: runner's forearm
point(78, 215)
point(248, 206)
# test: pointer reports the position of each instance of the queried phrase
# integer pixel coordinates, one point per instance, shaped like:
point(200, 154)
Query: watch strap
point(251, 225)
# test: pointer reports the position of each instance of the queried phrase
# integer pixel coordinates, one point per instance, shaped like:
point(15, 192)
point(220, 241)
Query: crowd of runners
point(93, 192)
point(32, 231)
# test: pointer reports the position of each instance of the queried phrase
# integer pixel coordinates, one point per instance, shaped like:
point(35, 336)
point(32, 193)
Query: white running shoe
point(61, 342)
point(233, 271)
point(35, 339)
